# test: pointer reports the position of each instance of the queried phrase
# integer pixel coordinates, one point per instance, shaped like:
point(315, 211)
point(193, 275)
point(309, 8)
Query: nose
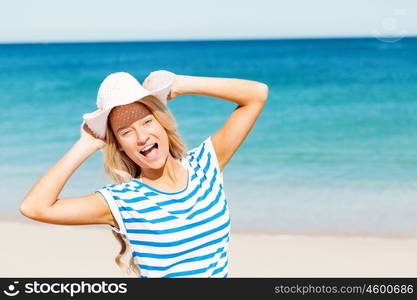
point(142, 137)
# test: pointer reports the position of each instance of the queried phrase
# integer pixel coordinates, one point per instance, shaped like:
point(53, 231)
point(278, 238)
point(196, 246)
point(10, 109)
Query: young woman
point(168, 204)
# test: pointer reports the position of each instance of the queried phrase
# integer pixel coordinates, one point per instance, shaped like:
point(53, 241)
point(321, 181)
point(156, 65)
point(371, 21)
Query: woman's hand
point(157, 80)
point(89, 137)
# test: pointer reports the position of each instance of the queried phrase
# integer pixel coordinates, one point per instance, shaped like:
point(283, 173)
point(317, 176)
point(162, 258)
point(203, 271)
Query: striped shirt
point(182, 234)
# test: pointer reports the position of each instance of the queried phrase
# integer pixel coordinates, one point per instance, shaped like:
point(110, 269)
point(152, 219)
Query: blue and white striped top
point(182, 234)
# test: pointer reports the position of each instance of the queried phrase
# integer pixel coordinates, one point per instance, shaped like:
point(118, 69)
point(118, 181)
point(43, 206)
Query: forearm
point(240, 91)
point(46, 190)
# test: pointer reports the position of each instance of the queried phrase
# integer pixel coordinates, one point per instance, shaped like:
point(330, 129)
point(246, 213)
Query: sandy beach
point(32, 249)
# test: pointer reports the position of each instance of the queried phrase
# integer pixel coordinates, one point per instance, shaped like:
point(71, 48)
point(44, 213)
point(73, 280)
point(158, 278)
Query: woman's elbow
point(262, 91)
point(28, 211)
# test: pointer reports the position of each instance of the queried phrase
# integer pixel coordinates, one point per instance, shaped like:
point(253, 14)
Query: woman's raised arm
point(42, 204)
point(250, 96)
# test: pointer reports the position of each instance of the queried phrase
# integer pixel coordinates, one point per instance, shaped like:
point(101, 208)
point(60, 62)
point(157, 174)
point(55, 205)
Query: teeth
point(147, 148)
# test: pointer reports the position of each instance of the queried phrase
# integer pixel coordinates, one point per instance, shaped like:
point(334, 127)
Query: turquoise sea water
point(334, 151)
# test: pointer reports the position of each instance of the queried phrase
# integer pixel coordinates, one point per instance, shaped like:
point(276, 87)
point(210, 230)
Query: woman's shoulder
point(131, 185)
point(204, 155)
point(198, 151)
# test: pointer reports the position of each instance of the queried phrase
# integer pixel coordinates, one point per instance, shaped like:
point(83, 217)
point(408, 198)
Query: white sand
point(32, 249)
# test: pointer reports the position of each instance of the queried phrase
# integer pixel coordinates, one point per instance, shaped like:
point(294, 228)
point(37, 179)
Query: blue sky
point(94, 20)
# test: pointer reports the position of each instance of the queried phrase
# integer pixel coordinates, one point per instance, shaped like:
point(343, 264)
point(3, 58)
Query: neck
point(168, 173)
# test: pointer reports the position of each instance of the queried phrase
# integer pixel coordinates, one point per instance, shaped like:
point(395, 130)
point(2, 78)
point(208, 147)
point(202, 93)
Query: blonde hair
point(121, 168)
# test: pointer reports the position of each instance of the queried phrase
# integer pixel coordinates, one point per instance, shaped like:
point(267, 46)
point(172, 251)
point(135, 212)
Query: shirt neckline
point(182, 162)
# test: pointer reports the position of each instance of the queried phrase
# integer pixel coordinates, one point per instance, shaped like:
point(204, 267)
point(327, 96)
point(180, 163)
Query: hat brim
point(161, 87)
point(97, 121)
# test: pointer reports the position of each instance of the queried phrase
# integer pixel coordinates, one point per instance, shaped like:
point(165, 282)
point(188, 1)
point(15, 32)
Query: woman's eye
point(125, 132)
point(150, 120)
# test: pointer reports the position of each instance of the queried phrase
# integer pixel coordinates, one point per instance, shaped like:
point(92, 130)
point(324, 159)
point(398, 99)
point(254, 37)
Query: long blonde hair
point(121, 168)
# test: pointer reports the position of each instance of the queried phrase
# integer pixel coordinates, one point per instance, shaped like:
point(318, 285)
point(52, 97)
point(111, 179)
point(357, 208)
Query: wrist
point(86, 146)
point(179, 86)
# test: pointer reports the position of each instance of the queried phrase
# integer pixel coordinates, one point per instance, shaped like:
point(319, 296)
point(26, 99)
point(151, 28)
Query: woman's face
point(140, 135)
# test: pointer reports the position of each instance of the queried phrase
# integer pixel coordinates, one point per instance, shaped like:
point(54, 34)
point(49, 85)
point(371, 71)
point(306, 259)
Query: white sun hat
point(122, 88)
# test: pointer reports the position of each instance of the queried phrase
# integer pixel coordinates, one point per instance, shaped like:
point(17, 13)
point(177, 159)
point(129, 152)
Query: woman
point(169, 205)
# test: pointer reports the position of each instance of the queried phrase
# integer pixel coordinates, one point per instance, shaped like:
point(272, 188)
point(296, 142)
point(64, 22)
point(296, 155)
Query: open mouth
point(149, 150)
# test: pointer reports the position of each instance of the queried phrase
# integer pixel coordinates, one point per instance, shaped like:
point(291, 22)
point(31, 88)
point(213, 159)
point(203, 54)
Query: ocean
point(333, 152)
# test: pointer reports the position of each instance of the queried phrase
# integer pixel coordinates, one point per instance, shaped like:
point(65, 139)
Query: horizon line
point(197, 40)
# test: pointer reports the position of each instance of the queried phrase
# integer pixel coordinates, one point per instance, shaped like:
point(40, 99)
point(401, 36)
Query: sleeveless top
point(181, 234)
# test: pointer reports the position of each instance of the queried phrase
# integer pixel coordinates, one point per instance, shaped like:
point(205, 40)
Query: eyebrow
point(121, 128)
